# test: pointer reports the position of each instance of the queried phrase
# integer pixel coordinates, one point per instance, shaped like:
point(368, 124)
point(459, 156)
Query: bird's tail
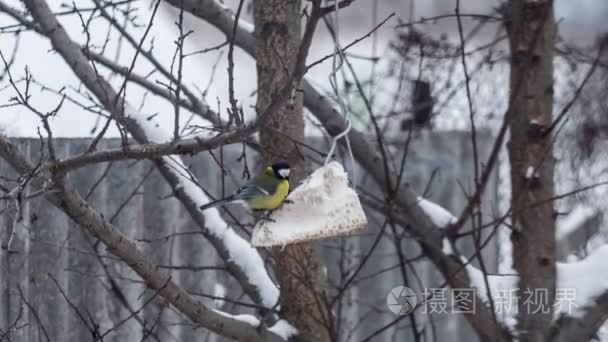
point(217, 203)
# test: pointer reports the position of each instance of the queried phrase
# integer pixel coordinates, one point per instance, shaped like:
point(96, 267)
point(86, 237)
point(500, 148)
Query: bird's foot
point(267, 218)
point(263, 217)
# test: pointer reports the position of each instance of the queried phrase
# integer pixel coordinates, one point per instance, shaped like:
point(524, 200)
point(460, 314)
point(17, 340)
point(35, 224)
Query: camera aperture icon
point(402, 300)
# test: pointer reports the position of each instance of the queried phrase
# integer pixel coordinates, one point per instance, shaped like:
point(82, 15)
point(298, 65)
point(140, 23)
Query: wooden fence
point(58, 283)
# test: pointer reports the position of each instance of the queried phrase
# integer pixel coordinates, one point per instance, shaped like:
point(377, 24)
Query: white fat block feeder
point(323, 206)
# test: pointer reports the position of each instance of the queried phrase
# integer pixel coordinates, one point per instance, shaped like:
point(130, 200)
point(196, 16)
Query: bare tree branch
point(65, 198)
point(416, 220)
point(253, 281)
point(152, 151)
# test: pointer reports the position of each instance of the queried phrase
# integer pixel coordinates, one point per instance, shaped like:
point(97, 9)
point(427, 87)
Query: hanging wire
point(335, 140)
point(337, 63)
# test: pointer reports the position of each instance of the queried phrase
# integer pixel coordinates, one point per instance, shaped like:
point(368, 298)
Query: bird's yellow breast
point(273, 200)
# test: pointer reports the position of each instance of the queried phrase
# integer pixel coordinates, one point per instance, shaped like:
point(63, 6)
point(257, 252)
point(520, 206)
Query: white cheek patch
point(284, 173)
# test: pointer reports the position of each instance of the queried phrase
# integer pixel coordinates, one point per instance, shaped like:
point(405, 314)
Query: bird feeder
point(322, 207)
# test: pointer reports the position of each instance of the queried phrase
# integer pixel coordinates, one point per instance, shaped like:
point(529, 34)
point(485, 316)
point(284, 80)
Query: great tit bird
point(267, 191)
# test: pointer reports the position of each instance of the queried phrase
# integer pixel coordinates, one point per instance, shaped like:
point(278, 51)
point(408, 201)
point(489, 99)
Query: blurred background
point(409, 67)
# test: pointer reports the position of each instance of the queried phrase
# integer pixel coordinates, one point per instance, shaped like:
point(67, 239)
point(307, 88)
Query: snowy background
point(579, 23)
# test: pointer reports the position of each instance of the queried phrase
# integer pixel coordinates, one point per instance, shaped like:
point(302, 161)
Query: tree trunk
point(298, 267)
point(531, 30)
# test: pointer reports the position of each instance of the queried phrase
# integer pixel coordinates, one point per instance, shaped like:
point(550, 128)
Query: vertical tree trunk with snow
point(298, 267)
point(531, 29)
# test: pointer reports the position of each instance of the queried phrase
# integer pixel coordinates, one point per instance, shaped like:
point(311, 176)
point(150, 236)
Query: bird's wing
point(267, 184)
point(250, 191)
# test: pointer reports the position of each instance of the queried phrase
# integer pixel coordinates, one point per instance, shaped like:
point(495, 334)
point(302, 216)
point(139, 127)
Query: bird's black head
point(281, 170)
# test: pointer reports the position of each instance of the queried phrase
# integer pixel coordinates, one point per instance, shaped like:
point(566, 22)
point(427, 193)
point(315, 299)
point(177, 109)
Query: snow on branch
point(585, 280)
point(322, 206)
point(438, 214)
point(577, 218)
point(502, 291)
point(578, 287)
point(282, 328)
point(243, 261)
point(240, 251)
point(68, 200)
point(574, 230)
